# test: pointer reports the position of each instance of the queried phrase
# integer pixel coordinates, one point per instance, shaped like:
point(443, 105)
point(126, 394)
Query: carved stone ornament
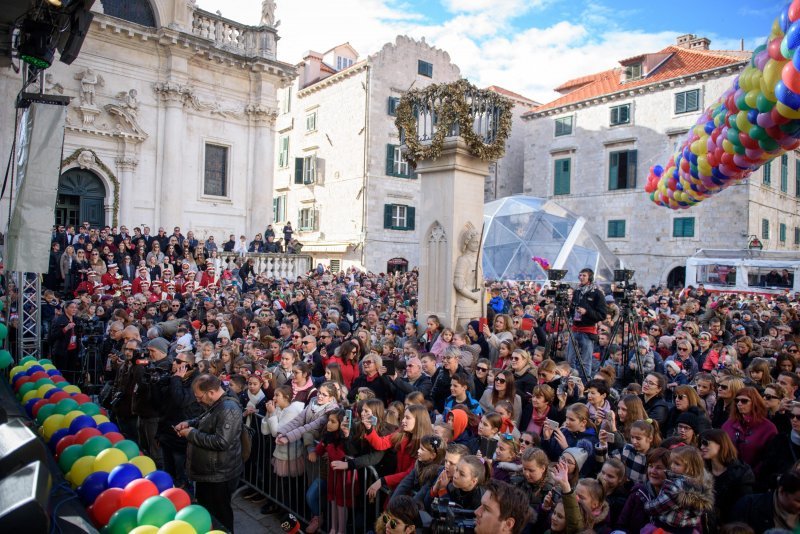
point(258, 112)
point(86, 159)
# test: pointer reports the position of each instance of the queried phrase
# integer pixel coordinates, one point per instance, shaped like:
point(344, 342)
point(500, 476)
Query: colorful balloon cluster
point(756, 120)
point(121, 488)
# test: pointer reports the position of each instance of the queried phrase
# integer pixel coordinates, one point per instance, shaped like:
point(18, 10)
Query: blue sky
point(528, 46)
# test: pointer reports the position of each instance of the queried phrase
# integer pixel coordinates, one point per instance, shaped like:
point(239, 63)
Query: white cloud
point(478, 36)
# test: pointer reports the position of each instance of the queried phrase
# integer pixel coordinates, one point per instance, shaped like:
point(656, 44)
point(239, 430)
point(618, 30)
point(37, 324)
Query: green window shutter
point(631, 169)
point(782, 233)
point(689, 227)
point(764, 229)
point(784, 173)
point(767, 173)
point(680, 102)
point(387, 215)
point(410, 223)
point(613, 171)
point(390, 160)
point(561, 180)
point(298, 170)
point(797, 178)
point(693, 100)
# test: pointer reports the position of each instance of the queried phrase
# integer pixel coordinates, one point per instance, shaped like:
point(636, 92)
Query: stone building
point(171, 121)
point(339, 176)
point(591, 149)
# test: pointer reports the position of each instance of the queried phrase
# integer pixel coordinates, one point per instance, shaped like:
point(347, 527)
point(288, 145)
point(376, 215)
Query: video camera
point(89, 328)
point(623, 287)
point(449, 518)
point(556, 290)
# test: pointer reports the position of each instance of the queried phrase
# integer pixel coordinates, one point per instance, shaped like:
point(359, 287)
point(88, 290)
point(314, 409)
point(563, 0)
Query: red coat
point(339, 481)
point(405, 462)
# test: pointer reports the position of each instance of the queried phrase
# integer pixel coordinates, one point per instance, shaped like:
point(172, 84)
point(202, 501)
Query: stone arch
point(86, 158)
point(668, 269)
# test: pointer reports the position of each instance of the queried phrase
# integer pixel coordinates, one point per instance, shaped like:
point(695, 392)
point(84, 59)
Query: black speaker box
point(19, 446)
point(24, 498)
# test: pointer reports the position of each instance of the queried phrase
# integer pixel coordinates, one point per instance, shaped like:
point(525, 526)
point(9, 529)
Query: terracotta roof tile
point(512, 94)
point(681, 62)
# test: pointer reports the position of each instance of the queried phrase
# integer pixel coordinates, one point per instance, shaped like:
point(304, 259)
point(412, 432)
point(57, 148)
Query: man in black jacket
point(65, 342)
point(777, 509)
point(215, 448)
point(145, 404)
point(588, 308)
point(414, 380)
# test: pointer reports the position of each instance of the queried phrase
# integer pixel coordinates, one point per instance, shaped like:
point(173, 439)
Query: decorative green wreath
point(450, 107)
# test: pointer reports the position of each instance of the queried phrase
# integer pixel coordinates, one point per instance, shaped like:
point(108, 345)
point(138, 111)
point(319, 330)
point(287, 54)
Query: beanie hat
point(160, 344)
point(579, 454)
point(184, 343)
point(644, 343)
point(223, 332)
point(690, 419)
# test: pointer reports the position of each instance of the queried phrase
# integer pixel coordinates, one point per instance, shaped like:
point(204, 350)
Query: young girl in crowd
point(644, 436)
point(506, 412)
point(444, 340)
point(506, 458)
point(504, 352)
point(616, 486)
point(488, 434)
point(466, 488)
point(430, 459)
point(577, 427)
point(592, 500)
point(332, 443)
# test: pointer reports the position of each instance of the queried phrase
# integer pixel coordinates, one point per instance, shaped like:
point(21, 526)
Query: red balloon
point(777, 118)
point(747, 141)
point(39, 404)
point(90, 512)
point(86, 433)
point(794, 11)
point(727, 159)
point(82, 398)
point(774, 50)
point(104, 411)
point(20, 381)
point(63, 443)
point(178, 497)
point(38, 375)
point(138, 491)
point(106, 504)
point(57, 378)
point(114, 437)
point(57, 396)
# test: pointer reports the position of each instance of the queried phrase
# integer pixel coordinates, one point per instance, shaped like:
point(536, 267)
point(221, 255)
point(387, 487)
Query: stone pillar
point(259, 199)
point(126, 166)
point(169, 201)
point(451, 209)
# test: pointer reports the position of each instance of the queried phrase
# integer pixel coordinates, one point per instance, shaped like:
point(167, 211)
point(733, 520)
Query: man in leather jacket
point(588, 308)
point(215, 447)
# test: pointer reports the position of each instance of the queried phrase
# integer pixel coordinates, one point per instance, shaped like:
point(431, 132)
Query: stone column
point(259, 199)
point(169, 203)
point(126, 166)
point(451, 205)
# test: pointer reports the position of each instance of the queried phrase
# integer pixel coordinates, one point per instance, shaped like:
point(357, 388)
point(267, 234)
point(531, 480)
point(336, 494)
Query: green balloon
point(89, 408)
point(123, 521)
point(26, 359)
point(95, 445)
point(69, 456)
point(26, 387)
point(156, 511)
point(197, 516)
point(5, 359)
point(64, 406)
point(3, 331)
point(130, 448)
point(42, 381)
point(44, 412)
point(45, 361)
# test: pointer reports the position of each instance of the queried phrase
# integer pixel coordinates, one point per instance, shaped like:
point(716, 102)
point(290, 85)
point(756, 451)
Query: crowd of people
point(682, 420)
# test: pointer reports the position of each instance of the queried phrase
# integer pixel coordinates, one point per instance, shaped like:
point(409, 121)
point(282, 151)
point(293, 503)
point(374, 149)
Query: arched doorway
point(397, 265)
point(81, 195)
point(676, 277)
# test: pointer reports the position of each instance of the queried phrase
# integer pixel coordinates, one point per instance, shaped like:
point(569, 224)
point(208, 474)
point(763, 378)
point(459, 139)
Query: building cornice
point(335, 78)
point(633, 92)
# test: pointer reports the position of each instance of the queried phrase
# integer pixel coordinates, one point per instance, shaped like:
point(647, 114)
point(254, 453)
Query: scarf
point(253, 400)
point(296, 389)
point(795, 437)
point(316, 408)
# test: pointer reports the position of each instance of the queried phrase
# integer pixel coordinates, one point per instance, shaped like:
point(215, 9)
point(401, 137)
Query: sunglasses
point(742, 400)
point(500, 380)
point(526, 441)
point(723, 387)
point(795, 416)
point(681, 396)
point(306, 343)
point(482, 369)
point(389, 521)
point(771, 397)
point(704, 443)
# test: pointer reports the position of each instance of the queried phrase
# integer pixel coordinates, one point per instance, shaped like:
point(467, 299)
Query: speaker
point(78, 28)
point(24, 498)
point(19, 446)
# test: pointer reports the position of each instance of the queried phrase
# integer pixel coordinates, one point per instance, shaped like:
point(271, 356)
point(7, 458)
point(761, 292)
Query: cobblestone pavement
point(248, 519)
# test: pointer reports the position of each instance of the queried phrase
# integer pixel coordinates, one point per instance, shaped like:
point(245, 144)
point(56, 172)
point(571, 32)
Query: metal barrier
point(305, 495)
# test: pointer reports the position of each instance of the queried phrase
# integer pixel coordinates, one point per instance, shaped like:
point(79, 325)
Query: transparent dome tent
point(518, 228)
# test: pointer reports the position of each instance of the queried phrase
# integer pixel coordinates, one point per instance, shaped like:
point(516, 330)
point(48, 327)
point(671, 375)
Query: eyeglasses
point(681, 396)
point(791, 350)
point(683, 349)
point(515, 358)
point(526, 441)
point(500, 380)
point(724, 387)
point(742, 400)
point(391, 522)
point(651, 383)
point(306, 343)
point(771, 397)
point(296, 337)
point(482, 369)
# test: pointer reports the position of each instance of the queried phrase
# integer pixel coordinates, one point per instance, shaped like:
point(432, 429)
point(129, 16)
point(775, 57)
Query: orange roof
point(681, 62)
point(512, 94)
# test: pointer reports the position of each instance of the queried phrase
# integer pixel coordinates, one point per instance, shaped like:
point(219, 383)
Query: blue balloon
point(34, 369)
point(709, 128)
point(752, 115)
point(29, 406)
point(679, 186)
point(51, 392)
point(81, 422)
point(92, 486)
point(783, 19)
point(658, 170)
point(122, 475)
point(161, 479)
point(793, 36)
point(105, 428)
point(786, 96)
point(54, 372)
point(56, 437)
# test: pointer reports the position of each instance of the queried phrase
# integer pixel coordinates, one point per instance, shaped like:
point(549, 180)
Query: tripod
point(629, 324)
point(561, 324)
point(88, 378)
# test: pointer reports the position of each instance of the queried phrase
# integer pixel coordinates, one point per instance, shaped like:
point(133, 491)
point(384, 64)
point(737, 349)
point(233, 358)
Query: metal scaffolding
point(29, 308)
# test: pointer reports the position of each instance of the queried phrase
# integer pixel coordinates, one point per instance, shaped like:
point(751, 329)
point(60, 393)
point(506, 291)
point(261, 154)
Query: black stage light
point(36, 44)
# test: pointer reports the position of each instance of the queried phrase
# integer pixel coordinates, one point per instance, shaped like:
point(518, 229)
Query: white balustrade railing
point(274, 265)
point(233, 36)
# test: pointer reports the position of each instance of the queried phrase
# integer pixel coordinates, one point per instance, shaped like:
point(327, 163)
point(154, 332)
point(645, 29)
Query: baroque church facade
point(171, 121)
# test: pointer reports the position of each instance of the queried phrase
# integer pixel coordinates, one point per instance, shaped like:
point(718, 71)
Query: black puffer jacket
point(215, 447)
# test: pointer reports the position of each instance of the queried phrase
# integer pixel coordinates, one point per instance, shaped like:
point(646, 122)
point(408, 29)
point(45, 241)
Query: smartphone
point(527, 324)
point(551, 423)
point(348, 418)
point(390, 367)
point(373, 420)
point(482, 323)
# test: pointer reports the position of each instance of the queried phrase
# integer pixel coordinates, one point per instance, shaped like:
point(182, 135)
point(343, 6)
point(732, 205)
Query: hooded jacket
point(681, 504)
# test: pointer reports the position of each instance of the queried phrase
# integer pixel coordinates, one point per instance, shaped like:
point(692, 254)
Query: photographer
point(122, 392)
point(177, 399)
point(588, 308)
point(510, 517)
point(145, 403)
point(65, 341)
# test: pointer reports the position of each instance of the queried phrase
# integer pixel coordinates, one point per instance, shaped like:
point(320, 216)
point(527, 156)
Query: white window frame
point(283, 152)
point(310, 169)
point(311, 122)
point(400, 165)
point(399, 216)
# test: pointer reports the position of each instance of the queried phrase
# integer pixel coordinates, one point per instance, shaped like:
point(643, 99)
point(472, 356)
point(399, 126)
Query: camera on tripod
point(91, 330)
point(623, 287)
point(154, 374)
point(449, 518)
point(556, 290)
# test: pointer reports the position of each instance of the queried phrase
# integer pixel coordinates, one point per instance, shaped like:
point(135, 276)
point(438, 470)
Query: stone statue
point(89, 79)
point(129, 101)
point(268, 13)
point(468, 279)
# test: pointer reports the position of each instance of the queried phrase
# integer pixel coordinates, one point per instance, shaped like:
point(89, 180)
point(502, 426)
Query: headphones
point(590, 272)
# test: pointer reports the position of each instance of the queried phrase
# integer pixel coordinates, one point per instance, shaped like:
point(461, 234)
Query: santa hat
point(673, 365)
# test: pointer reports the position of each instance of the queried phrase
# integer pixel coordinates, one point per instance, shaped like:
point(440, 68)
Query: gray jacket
point(215, 448)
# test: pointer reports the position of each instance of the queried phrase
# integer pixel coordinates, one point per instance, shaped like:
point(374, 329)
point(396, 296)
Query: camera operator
point(65, 341)
point(215, 449)
point(178, 404)
point(110, 350)
point(503, 510)
point(146, 373)
point(122, 393)
point(588, 308)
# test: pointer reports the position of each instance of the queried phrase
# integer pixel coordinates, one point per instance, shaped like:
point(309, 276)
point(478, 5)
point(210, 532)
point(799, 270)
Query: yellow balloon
point(51, 424)
point(787, 112)
point(72, 388)
point(33, 394)
point(44, 389)
point(145, 529)
point(751, 98)
point(215, 532)
point(100, 419)
point(109, 459)
point(82, 468)
point(48, 366)
point(16, 370)
point(771, 76)
point(177, 526)
point(727, 146)
point(742, 123)
point(27, 365)
point(70, 417)
point(145, 464)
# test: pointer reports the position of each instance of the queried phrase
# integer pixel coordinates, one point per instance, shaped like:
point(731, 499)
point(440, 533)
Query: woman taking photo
point(732, 478)
point(545, 406)
point(502, 332)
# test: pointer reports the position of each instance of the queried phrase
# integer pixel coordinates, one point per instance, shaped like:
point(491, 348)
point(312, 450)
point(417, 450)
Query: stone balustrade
point(275, 265)
point(233, 36)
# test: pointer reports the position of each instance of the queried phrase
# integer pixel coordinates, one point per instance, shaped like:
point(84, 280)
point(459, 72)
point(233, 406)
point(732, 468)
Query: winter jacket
point(473, 405)
point(554, 450)
point(214, 453)
point(412, 486)
point(681, 504)
point(657, 409)
point(756, 510)
point(783, 454)
point(312, 419)
point(634, 516)
point(273, 425)
point(441, 386)
point(405, 460)
point(379, 384)
point(487, 406)
point(523, 384)
point(736, 482)
point(635, 462)
point(671, 424)
point(750, 439)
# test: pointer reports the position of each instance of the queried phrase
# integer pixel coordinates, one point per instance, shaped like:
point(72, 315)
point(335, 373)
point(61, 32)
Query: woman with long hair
point(748, 426)
point(502, 331)
point(686, 401)
point(502, 389)
point(347, 356)
point(727, 388)
point(732, 478)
